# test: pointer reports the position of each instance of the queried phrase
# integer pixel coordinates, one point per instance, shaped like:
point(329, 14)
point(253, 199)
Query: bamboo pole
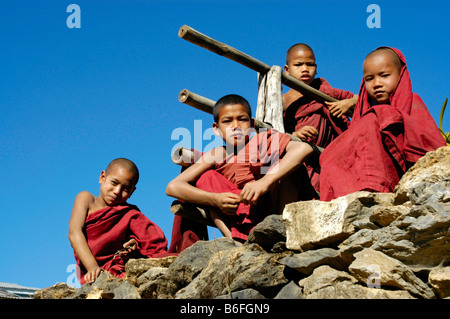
point(206, 105)
point(199, 102)
point(195, 37)
point(182, 156)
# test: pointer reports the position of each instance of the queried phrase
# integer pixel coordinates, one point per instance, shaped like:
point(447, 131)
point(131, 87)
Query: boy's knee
point(209, 176)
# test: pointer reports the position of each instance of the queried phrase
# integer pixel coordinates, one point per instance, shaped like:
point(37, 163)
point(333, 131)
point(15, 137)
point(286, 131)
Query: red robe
point(308, 112)
point(260, 154)
point(109, 228)
point(185, 233)
point(381, 143)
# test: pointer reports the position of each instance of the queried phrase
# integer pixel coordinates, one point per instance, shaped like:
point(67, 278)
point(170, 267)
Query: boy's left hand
point(252, 191)
point(129, 246)
point(340, 108)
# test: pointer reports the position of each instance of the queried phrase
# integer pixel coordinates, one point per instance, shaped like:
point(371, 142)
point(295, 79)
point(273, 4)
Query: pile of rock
point(364, 245)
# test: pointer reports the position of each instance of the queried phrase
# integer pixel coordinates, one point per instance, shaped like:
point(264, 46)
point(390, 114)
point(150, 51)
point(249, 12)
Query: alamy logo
point(74, 20)
point(74, 278)
point(374, 280)
point(374, 19)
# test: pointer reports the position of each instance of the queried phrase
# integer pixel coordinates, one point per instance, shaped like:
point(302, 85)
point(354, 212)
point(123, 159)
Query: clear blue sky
point(72, 100)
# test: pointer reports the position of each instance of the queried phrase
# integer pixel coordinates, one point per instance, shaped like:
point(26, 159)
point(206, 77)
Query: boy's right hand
point(306, 132)
point(92, 274)
point(227, 202)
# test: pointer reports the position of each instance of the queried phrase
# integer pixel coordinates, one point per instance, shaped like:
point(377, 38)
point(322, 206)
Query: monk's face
point(117, 185)
point(234, 125)
point(302, 65)
point(381, 77)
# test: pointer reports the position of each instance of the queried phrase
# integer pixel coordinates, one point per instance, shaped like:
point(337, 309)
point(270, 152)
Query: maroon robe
point(251, 163)
point(381, 143)
point(306, 111)
point(106, 231)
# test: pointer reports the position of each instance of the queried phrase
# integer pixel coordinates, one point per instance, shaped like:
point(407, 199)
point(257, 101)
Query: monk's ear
point(216, 129)
point(102, 177)
point(286, 69)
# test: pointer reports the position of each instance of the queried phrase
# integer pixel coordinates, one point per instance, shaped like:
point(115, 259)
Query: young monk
point(314, 121)
point(105, 231)
point(391, 129)
point(237, 182)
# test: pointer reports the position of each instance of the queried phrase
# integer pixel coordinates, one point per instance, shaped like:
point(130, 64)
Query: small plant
point(441, 118)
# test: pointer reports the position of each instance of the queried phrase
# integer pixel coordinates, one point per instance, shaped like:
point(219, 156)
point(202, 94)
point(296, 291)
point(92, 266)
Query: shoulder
point(289, 97)
point(81, 207)
point(84, 197)
point(214, 156)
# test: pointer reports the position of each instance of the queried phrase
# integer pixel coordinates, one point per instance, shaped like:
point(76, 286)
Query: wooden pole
point(193, 36)
point(269, 108)
point(206, 105)
point(182, 156)
point(199, 102)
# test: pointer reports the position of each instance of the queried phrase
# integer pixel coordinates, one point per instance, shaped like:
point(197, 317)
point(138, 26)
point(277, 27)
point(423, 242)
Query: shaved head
point(298, 47)
point(388, 54)
point(127, 164)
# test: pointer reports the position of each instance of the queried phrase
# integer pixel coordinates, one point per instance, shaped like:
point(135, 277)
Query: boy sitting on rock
point(246, 179)
point(105, 230)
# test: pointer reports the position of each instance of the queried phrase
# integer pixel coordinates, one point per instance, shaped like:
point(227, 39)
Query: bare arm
point(77, 238)
point(181, 187)
point(306, 132)
point(343, 107)
point(296, 153)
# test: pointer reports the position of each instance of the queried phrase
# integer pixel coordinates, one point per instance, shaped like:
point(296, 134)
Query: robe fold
point(106, 231)
point(382, 142)
point(185, 233)
point(306, 111)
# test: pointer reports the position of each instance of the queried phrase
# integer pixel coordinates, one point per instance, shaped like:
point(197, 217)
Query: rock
point(185, 268)
point(57, 291)
point(195, 258)
point(328, 283)
point(425, 192)
point(107, 286)
point(419, 239)
point(376, 269)
point(243, 294)
point(431, 168)
point(269, 232)
point(290, 291)
point(136, 267)
point(237, 269)
point(150, 275)
point(124, 290)
point(306, 262)
point(162, 287)
point(439, 279)
point(315, 223)
point(385, 215)
point(94, 290)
